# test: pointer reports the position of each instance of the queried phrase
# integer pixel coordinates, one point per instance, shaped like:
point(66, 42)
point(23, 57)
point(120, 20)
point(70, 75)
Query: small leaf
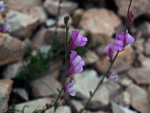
point(58, 90)
point(66, 19)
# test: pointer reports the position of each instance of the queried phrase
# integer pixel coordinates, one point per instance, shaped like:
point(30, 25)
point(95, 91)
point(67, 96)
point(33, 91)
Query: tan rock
point(38, 12)
point(22, 24)
point(140, 75)
point(144, 61)
point(45, 86)
point(13, 70)
point(122, 98)
point(122, 63)
point(100, 23)
point(39, 103)
point(139, 45)
point(144, 28)
point(90, 57)
point(60, 33)
point(147, 47)
point(5, 90)
point(12, 49)
point(38, 39)
point(139, 99)
point(21, 5)
point(66, 6)
point(120, 109)
point(96, 112)
point(136, 6)
point(77, 104)
point(88, 80)
point(125, 81)
point(21, 93)
point(77, 16)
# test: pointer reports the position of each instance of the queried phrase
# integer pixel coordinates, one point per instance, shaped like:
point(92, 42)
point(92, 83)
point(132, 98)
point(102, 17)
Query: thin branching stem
point(101, 81)
point(55, 105)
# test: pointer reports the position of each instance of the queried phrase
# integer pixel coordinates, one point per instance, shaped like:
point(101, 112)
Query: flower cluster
point(75, 63)
point(121, 41)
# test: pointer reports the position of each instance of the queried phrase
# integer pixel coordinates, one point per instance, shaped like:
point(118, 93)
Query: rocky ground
point(31, 61)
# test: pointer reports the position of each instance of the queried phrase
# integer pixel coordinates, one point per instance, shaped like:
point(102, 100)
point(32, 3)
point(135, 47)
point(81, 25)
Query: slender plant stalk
point(57, 17)
point(55, 105)
point(101, 81)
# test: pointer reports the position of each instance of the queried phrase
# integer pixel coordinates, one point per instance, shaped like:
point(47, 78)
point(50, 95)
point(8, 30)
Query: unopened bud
point(130, 18)
point(66, 19)
point(131, 15)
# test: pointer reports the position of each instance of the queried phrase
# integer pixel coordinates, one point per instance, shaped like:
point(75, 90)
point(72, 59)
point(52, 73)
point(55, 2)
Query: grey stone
point(139, 100)
point(52, 6)
point(140, 75)
point(120, 109)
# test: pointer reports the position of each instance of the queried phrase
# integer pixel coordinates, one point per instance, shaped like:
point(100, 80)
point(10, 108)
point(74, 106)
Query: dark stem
point(65, 71)
point(127, 16)
point(101, 81)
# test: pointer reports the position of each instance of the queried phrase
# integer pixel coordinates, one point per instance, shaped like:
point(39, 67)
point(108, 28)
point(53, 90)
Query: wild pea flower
point(112, 77)
point(5, 27)
point(71, 88)
point(109, 50)
point(2, 6)
point(75, 63)
point(77, 40)
point(123, 40)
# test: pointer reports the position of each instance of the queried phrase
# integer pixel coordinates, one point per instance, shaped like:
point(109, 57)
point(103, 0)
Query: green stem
point(100, 82)
point(65, 71)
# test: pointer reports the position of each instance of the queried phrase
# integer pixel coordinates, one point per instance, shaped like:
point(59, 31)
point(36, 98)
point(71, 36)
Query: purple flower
point(5, 27)
point(118, 44)
point(109, 50)
point(121, 41)
point(112, 77)
point(77, 40)
point(75, 63)
point(75, 69)
point(128, 39)
point(71, 88)
point(2, 6)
